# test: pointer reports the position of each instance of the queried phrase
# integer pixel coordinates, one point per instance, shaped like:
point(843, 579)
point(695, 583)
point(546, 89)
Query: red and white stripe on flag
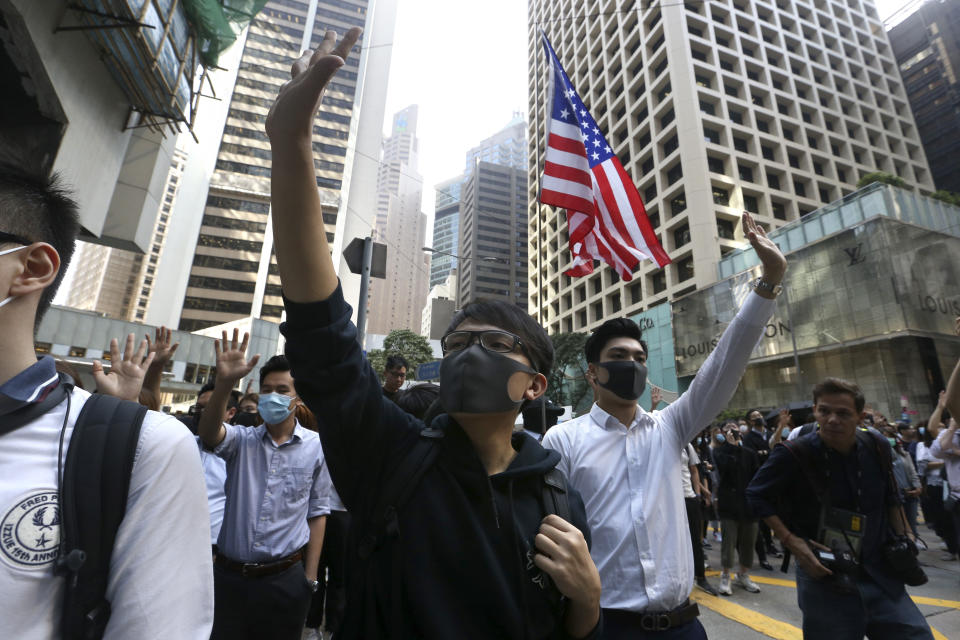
point(605, 215)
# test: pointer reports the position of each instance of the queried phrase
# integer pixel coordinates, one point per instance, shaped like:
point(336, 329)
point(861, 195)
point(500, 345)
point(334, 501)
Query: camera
point(843, 564)
point(901, 555)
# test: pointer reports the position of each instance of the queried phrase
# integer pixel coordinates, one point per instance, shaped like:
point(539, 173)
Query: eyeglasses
point(13, 238)
point(491, 340)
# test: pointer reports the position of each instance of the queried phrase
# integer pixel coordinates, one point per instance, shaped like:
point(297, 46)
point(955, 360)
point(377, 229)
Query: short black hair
point(40, 208)
point(417, 399)
point(512, 318)
point(207, 387)
point(233, 401)
point(746, 416)
point(276, 363)
point(832, 386)
point(394, 361)
point(613, 328)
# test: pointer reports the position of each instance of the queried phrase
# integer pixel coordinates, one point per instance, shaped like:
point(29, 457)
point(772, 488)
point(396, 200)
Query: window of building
point(740, 144)
point(773, 180)
point(725, 229)
point(681, 236)
point(746, 174)
point(751, 204)
point(678, 204)
point(715, 164)
point(674, 174)
point(721, 196)
point(779, 211)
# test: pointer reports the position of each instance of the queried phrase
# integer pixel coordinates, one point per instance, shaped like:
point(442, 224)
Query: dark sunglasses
point(13, 238)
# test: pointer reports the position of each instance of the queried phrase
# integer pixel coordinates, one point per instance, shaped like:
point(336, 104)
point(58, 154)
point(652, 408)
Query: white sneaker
point(743, 580)
point(725, 584)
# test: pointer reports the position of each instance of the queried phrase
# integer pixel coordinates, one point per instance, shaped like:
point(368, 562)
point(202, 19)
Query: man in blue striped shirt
point(278, 495)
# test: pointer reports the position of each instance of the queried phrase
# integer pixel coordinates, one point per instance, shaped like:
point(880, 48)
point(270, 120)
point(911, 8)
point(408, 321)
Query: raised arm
point(719, 376)
point(125, 378)
point(232, 365)
point(953, 386)
point(162, 352)
point(303, 255)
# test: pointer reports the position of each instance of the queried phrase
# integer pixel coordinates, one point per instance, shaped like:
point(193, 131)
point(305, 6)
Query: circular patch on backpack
point(30, 531)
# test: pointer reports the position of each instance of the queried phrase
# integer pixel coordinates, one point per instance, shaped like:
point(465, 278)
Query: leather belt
point(258, 569)
point(657, 621)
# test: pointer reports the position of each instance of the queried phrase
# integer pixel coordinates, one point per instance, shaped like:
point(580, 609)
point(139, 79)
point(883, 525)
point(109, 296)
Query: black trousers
point(693, 519)
point(330, 599)
point(933, 512)
point(268, 608)
point(625, 625)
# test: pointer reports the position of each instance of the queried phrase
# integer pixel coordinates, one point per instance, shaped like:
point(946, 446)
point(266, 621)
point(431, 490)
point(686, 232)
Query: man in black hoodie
point(470, 552)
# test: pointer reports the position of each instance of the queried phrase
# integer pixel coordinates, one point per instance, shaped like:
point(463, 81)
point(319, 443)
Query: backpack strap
point(96, 481)
point(802, 452)
point(555, 498)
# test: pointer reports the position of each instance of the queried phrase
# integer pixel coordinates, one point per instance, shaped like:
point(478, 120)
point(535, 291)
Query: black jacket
point(466, 538)
point(736, 466)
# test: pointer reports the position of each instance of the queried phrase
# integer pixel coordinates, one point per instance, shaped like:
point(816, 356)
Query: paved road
point(773, 613)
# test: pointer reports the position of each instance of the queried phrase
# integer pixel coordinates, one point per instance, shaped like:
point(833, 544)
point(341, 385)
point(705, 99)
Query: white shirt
point(215, 476)
point(688, 458)
point(161, 575)
point(629, 478)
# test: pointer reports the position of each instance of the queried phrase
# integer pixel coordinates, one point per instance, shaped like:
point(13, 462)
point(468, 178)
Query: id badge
point(843, 529)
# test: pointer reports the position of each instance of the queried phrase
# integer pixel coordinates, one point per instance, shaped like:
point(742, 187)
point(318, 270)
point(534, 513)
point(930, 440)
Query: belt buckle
point(655, 622)
point(247, 566)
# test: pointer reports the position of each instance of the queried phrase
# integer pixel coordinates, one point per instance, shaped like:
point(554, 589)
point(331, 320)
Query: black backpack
point(93, 501)
point(383, 528)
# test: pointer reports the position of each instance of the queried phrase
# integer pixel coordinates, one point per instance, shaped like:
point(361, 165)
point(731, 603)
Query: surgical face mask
point(9, 299)
point(274, 408)
point(892, 441)
point(626, 379)
point(744, 428)
point(720, 438)
point(785, 432)
point(921, 430)
point(699, 440)
point(474, 380)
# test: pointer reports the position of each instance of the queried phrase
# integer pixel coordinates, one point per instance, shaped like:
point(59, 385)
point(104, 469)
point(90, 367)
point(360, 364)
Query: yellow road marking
point(770, 627)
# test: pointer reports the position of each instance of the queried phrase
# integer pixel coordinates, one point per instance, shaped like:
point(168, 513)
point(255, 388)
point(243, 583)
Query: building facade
point(493, 235)
point(397, 301)
point(446, 230)
point(927, 47)
point(507, 147)
point(715, 108)
point(118, 283)
point(234, 272)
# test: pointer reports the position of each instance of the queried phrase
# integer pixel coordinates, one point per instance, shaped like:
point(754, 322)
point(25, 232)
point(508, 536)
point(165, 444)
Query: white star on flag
point(564, 114)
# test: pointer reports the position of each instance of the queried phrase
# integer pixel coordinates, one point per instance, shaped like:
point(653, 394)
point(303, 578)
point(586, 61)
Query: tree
point(567, 384)
point(414, 347)
point(946, 196)
point(882, 176)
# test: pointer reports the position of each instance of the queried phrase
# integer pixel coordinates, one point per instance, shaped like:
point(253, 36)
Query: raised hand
point(232, 363)
point(125, 377)
point(656, 395)
point(774, 263)
point(161, 348)
point(291, 117)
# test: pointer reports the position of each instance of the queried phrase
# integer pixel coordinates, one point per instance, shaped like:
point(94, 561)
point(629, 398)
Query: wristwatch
point(762, 285)
point(314, 585)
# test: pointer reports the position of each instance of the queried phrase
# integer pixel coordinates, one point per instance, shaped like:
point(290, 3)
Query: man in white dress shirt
point(160, 579)
point(625, 462)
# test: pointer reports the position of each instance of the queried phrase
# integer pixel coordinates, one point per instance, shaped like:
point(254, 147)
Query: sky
point(465, 65)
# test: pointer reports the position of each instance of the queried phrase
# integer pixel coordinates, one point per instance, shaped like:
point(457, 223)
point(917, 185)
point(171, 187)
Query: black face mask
point(627, 378)
point(475, 380)
point(247, 419)
point(758, 422)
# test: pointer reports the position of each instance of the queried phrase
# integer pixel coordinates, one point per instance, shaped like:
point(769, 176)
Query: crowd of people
point(331, 498)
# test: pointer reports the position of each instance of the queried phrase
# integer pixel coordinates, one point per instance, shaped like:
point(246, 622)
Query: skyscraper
point(119, 283)
point(507, 147)
point(493, 238)
point(446, 230)
point(397, 301)
point(714, 108)
point(234, 272)
point(927, 47)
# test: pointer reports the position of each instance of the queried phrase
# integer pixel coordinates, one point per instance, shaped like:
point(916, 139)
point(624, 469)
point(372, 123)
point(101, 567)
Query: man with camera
point(831, 497)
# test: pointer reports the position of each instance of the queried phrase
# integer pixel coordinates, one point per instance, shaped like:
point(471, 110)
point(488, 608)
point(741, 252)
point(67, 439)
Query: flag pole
point(536, 147)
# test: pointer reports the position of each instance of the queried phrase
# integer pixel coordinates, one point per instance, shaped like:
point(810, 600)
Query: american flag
point(605, 215)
